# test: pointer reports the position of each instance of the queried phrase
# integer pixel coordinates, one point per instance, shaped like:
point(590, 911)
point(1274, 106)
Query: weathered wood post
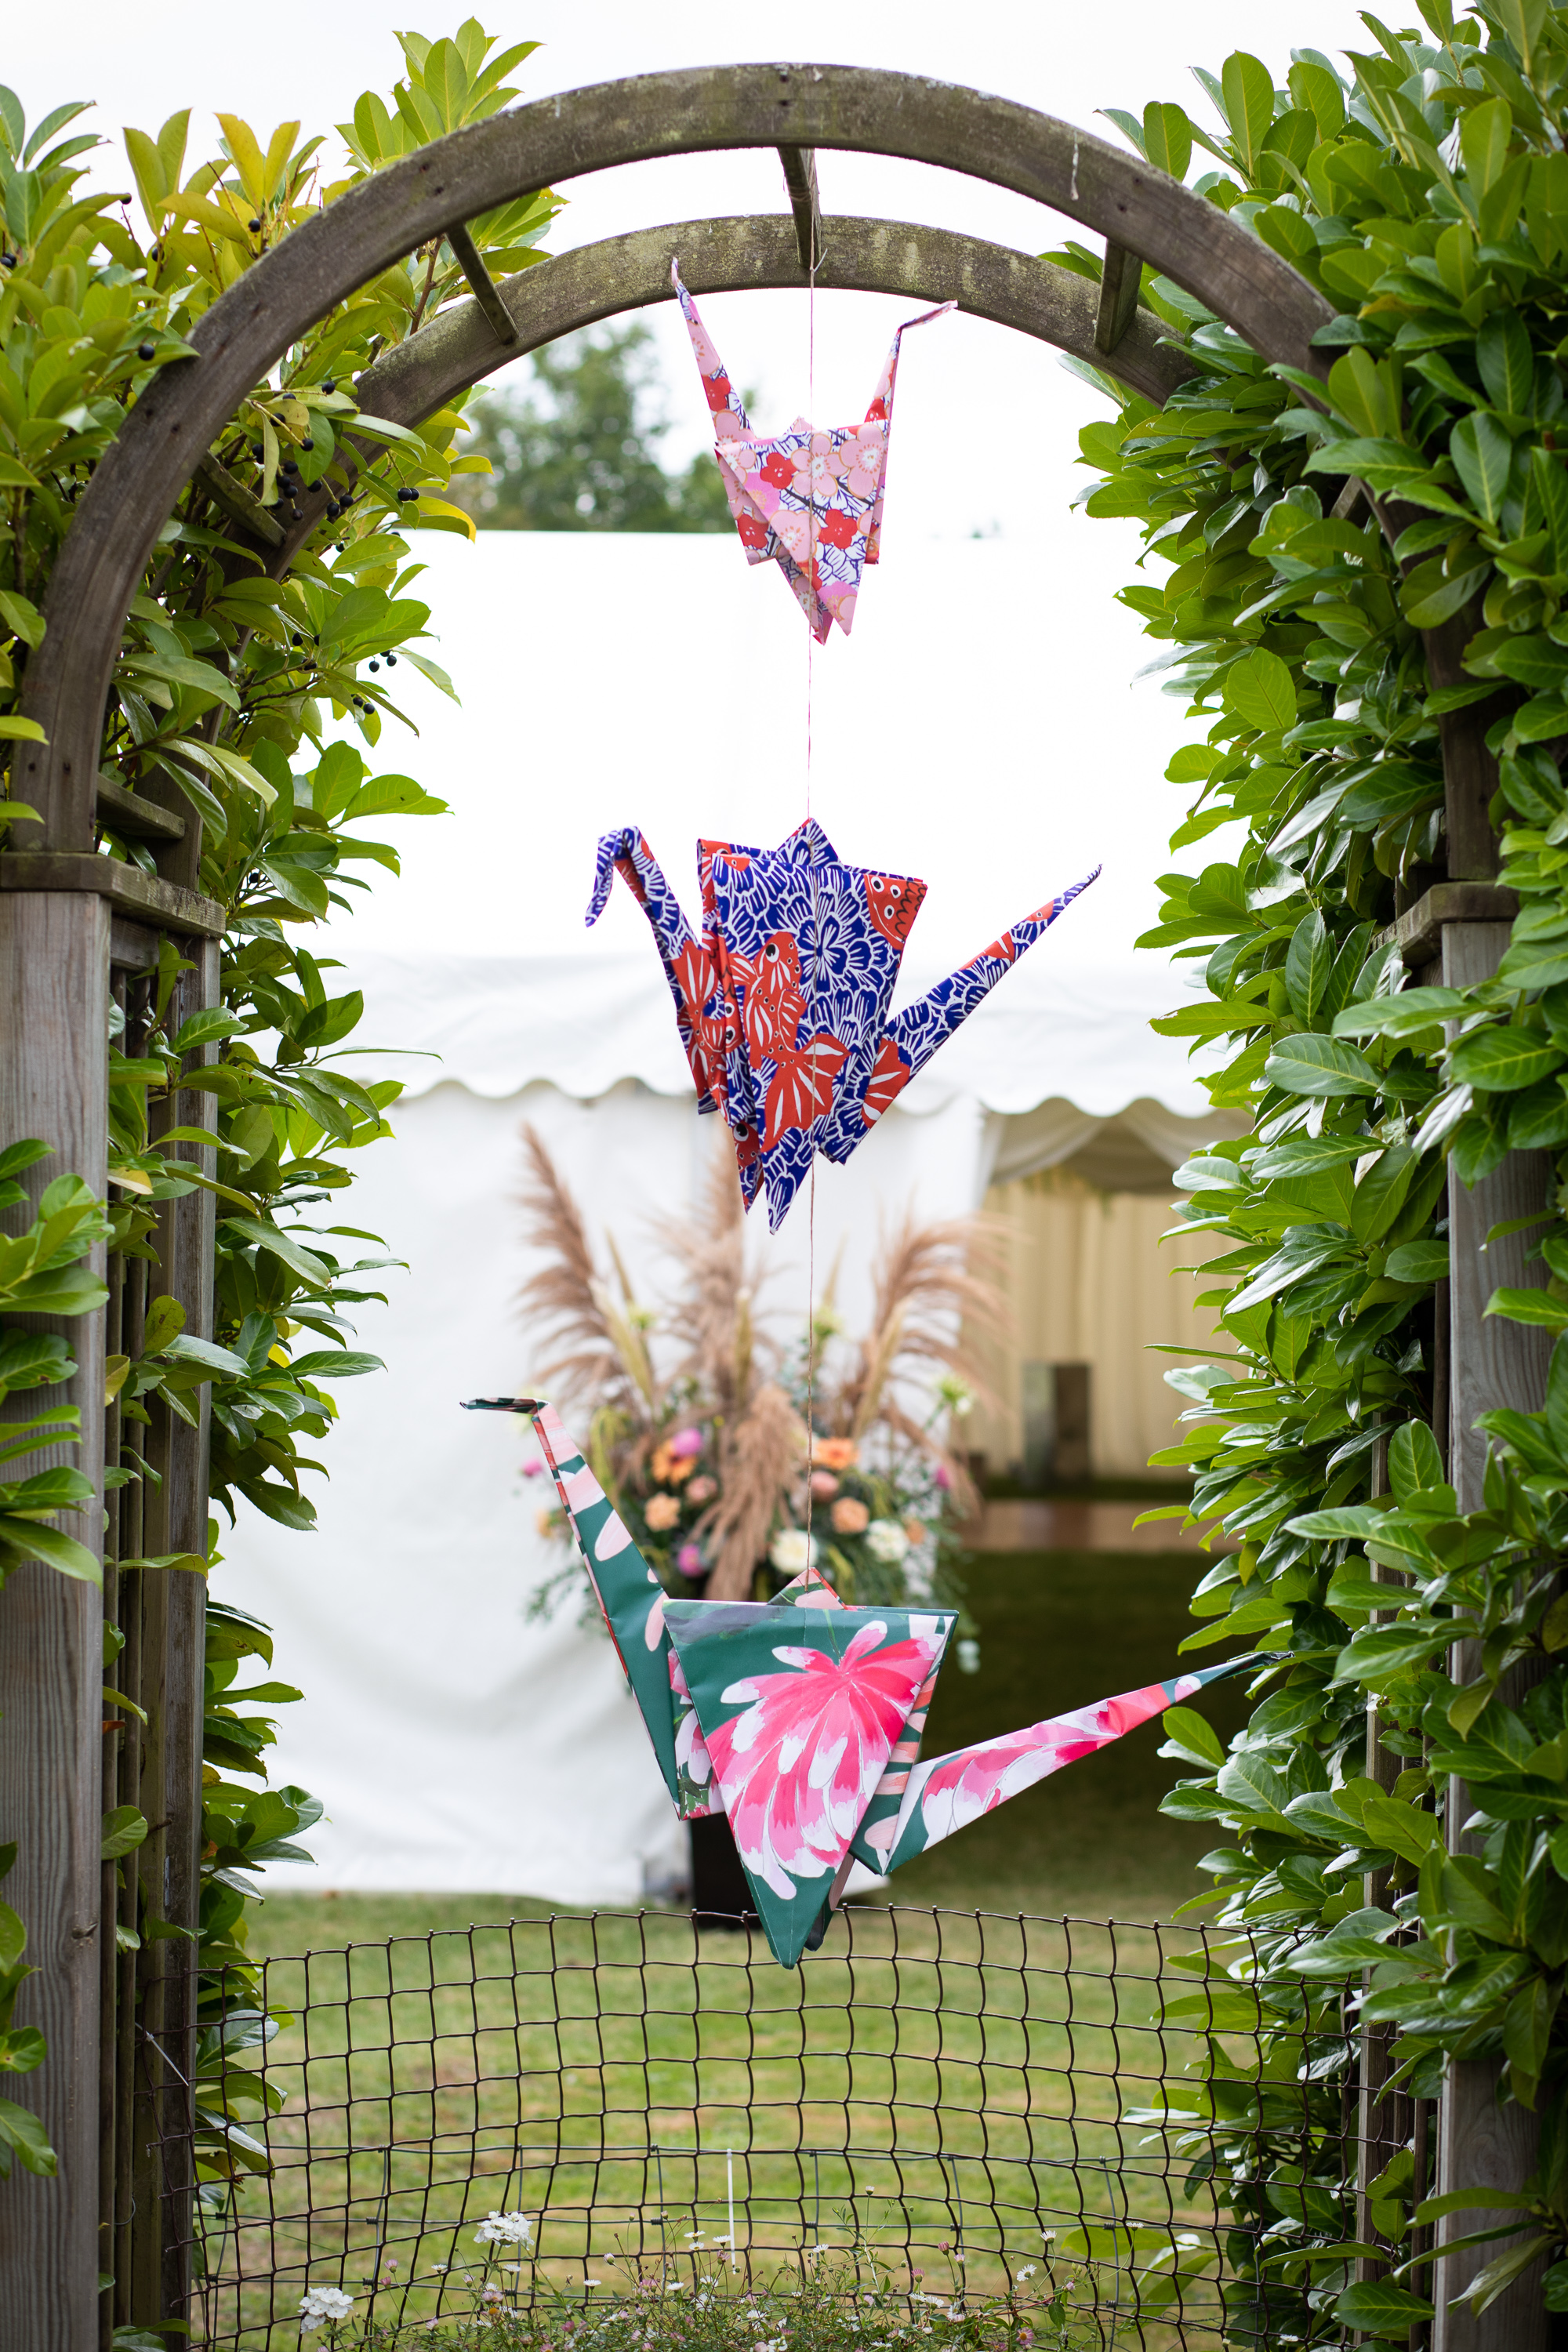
point(54, 991)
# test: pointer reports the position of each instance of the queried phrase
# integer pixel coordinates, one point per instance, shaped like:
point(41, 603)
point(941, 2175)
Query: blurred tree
point(589, 460)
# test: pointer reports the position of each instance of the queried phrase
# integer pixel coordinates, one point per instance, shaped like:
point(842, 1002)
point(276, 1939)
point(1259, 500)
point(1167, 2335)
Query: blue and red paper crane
point(782, 1003)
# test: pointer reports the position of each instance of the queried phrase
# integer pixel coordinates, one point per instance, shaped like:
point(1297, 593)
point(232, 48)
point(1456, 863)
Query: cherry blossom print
point(808, 499)
point(798, 1766)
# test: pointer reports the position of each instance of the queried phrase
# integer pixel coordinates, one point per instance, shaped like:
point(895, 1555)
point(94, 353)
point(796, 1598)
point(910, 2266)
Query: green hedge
point(1427, 197)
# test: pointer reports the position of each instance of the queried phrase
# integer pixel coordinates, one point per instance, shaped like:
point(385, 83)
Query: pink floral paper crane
point(808, 501)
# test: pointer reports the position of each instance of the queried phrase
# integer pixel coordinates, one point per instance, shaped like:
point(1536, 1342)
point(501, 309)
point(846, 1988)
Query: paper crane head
point(801, 1719)
point(809, 501)
point(782, 1003)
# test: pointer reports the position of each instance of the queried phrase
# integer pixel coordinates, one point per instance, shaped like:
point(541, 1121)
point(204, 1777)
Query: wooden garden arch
point(69, 914)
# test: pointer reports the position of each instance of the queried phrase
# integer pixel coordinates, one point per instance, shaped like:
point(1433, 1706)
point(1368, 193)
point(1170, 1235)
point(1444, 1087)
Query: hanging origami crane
point(810, 502)
point(782, 1005)
point(801, 1718)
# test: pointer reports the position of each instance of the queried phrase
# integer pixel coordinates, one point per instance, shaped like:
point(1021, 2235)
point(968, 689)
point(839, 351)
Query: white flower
point(320, 2305)
point(792, 1550)
point(1027, 2271)
point(885, 1541)
point(969, 1658)
point(956, 1394)
point(504, 2230)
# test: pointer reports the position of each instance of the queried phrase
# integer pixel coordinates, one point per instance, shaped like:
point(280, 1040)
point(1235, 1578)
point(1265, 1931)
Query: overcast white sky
point(979, 729)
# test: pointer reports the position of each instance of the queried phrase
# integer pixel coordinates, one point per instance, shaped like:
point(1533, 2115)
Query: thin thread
point(815, 925)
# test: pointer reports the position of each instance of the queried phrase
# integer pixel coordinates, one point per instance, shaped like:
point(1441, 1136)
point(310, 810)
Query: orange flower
point(914, 1533)
point(836, 1453)
point(662, 1512)
point(669, 1469)
point(850, 1516)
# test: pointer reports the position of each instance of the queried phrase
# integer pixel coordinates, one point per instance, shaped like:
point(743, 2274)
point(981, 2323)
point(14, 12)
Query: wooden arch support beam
point(439, 187)
point(627, 273)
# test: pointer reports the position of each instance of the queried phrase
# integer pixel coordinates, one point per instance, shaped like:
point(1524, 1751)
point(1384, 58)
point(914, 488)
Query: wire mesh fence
point(949, 2095)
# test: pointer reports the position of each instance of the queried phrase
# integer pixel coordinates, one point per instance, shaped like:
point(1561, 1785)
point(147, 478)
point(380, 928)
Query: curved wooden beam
point(725, 255)
point(629, 273)
point(378, 223)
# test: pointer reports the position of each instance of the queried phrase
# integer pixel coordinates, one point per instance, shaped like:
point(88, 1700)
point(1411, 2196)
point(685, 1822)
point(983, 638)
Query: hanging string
point(815, 925)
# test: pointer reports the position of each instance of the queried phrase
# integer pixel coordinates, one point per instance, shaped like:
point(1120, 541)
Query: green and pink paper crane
point(801, 1718)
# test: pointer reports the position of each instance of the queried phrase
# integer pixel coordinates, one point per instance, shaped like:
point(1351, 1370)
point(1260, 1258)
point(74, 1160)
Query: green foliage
point(21, 2047)
point(1426, 196)
point(829, 2299)
point(588, 461)
point(255, 704)
point(41, 1273)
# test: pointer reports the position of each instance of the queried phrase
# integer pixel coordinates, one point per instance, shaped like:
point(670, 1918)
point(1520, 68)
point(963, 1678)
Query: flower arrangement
point(736, 1457)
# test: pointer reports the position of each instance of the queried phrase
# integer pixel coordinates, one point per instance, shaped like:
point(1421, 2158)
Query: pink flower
point(958, 1789)
point(799, 1766)
point(823, 1486)
point(943, 1476)
point(690, 1561)
point(685, 1444)
point(702, 1490)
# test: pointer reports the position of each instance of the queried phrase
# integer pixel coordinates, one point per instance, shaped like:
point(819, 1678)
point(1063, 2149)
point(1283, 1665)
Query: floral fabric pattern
point(802, 1719)
point(952, 1791)
point(809, 501)
point(782, 1003)
point(800, 1709)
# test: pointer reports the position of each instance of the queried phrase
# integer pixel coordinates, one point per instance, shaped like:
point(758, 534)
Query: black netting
point(930, 2079)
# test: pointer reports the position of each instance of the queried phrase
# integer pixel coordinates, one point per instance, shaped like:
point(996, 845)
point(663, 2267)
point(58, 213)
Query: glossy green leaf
point(1501, 1060)
point(1482, 454)
point(1319, 1067)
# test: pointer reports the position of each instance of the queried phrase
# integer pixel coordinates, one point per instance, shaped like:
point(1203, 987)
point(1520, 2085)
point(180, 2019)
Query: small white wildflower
point(319, 2305)
point(504, 2230)
point(1049, 2236)
point(1027, 2271)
